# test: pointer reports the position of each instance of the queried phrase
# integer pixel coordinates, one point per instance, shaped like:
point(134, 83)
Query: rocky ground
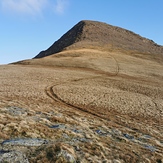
point(107, 107)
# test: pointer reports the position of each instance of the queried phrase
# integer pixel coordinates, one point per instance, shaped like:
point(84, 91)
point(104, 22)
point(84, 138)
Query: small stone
point(87, 136)
point(148, 161)
point(1, 125)
point(87, 155)
point(89, 159)
point(109, 161)
point(77, 148)
point(105, 161)
point(67, 156)
point(6, 129)
point(116, 161)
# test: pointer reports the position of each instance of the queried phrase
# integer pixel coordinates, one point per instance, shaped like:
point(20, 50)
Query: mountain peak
point(87, 33)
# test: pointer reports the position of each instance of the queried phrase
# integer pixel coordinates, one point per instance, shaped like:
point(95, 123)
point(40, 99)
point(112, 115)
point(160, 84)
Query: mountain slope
point(97, 96)
point(93, 34)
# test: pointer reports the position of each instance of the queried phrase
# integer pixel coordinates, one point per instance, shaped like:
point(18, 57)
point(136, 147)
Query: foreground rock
point(13, 157)
point(33, 150)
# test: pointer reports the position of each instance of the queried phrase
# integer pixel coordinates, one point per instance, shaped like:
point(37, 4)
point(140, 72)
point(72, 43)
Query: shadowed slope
point(93, 34)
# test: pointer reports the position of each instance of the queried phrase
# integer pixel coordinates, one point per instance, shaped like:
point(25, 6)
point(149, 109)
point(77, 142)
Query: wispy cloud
point(33, 7)
point(60, 6)
point(23, 6)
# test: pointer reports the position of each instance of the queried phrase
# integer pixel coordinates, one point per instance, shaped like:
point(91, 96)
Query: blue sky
point(29, 26)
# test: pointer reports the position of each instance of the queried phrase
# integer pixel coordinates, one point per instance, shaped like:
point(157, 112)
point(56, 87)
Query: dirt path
point(53, 95)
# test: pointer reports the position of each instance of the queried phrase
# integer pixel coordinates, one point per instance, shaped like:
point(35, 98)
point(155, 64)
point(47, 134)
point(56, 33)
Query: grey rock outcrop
point(13, 157)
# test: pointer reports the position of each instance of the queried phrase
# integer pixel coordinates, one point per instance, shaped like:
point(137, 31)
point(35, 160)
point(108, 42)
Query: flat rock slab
point(24, 142)
point(16, 111)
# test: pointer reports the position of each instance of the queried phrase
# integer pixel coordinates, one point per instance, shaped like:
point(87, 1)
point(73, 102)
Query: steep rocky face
point(66, 40)
point(93, 33)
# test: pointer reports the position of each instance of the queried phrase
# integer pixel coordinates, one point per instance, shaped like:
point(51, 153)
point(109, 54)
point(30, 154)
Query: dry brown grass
point(87, 89)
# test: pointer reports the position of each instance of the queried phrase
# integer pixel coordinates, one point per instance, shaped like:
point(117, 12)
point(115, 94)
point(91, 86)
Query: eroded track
point(49, 91)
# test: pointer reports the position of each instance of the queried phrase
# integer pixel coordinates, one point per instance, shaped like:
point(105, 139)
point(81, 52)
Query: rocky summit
point(97, 34)
point(95, 95)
